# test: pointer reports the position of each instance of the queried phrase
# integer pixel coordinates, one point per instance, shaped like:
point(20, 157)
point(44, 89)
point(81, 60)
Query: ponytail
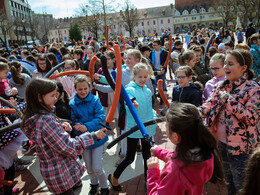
point(250, 74)
point(16, 75)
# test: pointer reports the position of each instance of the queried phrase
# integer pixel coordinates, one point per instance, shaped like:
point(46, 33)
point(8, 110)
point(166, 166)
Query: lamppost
point(24, 29)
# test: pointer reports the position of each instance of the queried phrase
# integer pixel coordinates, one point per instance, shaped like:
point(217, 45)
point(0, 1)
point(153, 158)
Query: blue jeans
point(234, 168)
point(163, 78)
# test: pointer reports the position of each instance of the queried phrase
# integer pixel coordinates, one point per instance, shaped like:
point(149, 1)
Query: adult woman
point(234, 116)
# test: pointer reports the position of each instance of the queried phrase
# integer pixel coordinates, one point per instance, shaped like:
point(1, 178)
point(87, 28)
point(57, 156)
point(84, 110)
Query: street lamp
point(23, 23)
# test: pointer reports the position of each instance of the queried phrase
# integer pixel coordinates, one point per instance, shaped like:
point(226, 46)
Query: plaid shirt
point(57, 151)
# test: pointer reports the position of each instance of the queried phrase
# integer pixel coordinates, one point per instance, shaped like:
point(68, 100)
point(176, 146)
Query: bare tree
point(129, 17)
point(247, 8)
point(226, 8)
point(5, 24)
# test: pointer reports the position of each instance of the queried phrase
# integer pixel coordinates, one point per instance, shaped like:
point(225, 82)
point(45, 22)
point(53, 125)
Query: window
point(211, 16)
point(177, 13)
point(220, 8)
point(202, 17)
point(114, 26)
point(193, 18)
point(149, 31)
point(177, 20)
point(211, 9)
point(169, 20)
point(202, 10)
point(154, 22)
point(185, 19)
point(148, 23)
point(161, 21)
point(193, 11)
point(185, 12)
point(142, 23)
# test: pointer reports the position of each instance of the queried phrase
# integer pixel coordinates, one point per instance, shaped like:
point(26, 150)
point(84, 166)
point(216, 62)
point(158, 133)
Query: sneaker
point(93, 189)
point(104, 191)
point(20, 167)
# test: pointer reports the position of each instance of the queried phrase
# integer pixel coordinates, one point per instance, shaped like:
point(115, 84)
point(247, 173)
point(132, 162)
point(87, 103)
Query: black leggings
point(130, 155)
point(9, 175)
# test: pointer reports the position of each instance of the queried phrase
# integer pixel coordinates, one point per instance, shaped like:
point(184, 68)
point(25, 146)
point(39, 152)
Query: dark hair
point(212, 51)
point(35, 90)
point(244, 57)
point(229, 43)
point(55, 51)
point(252, 180)
point(26, 52)
point(253, 37)
point(67, 57)
point(4, 60)
point(62, 92)
point(52, 56)
point(16, 75)
point(30, 58)
point(43, 57)
point(177, 43)
point(64, 51)
point(157, 41)
point(79, 52)
point(187, 55)
point(184, 119)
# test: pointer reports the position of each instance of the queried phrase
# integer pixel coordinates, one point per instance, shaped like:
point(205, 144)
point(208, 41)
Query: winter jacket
point(176, 178)
point(163, 57)
point(255, 51)
point(202, 75)
point(209, 86)
point(145, 111)
point(58, 153)
point(241, 111)
point(88, 112)
point(191, 94)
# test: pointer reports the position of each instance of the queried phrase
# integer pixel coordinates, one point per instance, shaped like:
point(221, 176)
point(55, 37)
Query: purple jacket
point(209, 87)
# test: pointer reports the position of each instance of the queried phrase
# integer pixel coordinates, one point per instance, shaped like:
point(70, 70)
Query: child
point(5, 88)
point(90, 53)
point(18, 80)
point(233, 116)
point(174, 62)
point(68, 81)
point(216, 65)
point(86, 113)
point(185, 91)
point(195, 160)
point(78, 55)
point(136, 89)
point(187, 58)
point(252, 181)
point(57, 152)
point(43, 66)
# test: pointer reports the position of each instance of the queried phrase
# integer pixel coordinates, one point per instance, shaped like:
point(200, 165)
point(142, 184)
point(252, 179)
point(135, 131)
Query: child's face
point(110, 62)
point(191, 63)
point(131, 60)
point(82, 90)
point(197, 56)
point(217, 69)
point(183, 80)
point(141, 78)
point(76, 56)
point(233, 69)
point(4, 74)
point(50, 98)
point(68, 67)
point(90, 53)
point(42, 64)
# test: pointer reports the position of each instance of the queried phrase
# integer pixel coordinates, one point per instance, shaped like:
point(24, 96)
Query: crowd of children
point(213, 119)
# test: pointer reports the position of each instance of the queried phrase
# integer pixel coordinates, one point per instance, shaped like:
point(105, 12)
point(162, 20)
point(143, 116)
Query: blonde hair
point(81, 79)
point(135, 53)
point(217, 57)
point(139, 66)
point(145, 61)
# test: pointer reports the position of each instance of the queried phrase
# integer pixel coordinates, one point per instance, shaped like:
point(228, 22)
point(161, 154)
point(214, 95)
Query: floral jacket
point(240, 101)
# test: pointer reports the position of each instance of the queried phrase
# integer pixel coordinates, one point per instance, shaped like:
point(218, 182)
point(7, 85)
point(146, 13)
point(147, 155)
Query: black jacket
point(191, 94)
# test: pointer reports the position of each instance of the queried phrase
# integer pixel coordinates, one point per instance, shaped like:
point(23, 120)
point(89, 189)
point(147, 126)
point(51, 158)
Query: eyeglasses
point(214, 69)
point(181, 77)
point(42, 64)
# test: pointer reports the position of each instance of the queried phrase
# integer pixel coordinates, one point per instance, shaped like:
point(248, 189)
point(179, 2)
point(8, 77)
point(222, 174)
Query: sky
point(67, 8)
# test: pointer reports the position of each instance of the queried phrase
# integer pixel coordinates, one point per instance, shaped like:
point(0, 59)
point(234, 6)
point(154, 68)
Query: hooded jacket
point(191, 94)
point(145, 111)
point(176, 178)
point(57, 151)
point(88, 112)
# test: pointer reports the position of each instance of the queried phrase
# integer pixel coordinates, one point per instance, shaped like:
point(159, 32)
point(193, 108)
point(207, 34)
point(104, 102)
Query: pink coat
point(177, 179)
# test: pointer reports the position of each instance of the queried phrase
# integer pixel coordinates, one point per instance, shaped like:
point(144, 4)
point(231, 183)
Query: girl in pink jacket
point(194, 162)
point(233, 112)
